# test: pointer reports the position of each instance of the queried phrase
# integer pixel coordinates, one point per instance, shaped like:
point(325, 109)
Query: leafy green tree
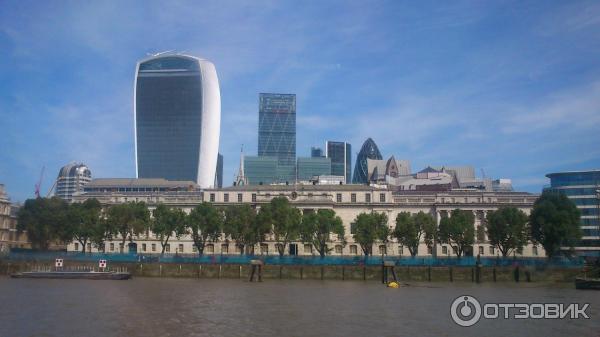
point(369, 228)
point(101, 232)
point(167, 222)
point(242, 225)
point(430, 231)
point(286, 221)
point(129, 219)
point(44, 219)
point(317, 227)
point(458, 231)
point(205, 224)
point(554, 222)
point(82, 220)
point(408, 231)
point(507, 229)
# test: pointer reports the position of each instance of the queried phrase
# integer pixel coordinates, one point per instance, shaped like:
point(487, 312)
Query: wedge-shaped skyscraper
point(177, 109)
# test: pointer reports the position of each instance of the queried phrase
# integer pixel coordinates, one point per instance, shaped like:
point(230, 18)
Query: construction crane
point(38, 185)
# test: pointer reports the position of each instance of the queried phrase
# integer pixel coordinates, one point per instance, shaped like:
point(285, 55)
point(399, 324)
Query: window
point(367, 197)
point(181, 247)
point(381, 197)
point(492, 250)
point(154, 247)
point(307, 249)
point(353, 228)
point(264, 249)
point(353, 250)
point(443, 199)
point(168, 247)
point(112, 247)
point(210, 248)
point(224, 248)
point(253, 197)
point(400, 250)
point(310, 195)
point(429, 250)
point(466, 200)
point(226, 197)
point(239, 197)
point(382, 250)
point(76, 246)
point(444, 250)
point(212, 197)
point(353, 197)
point(535, 250)
point(338, 249)
point(194, 249)
point(481, 250)
point(143, 247)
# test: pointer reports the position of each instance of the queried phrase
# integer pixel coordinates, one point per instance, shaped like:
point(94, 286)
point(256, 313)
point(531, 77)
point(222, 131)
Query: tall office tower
point(583, 188)
point(277, 133)
point(361, 169)
point(260, 170)
point(71, 179)
point(219, 173)
point(340, 154)
point(177, 111)
point(316, 152)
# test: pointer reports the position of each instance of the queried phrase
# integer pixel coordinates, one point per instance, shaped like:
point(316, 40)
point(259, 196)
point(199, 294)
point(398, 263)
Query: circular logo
point(465, 310)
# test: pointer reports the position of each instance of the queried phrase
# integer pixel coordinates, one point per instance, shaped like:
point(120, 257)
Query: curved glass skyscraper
point(368, 150)
point(177, 111)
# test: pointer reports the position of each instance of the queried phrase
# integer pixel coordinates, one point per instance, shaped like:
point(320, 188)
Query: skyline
point(513, 88)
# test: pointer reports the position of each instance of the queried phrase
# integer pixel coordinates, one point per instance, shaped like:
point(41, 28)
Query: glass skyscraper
point(340, 154)
point(177, 110)
point(313, 166)
point(260, 169)
point(583, 188)
point(277, 133)
point(368, 150)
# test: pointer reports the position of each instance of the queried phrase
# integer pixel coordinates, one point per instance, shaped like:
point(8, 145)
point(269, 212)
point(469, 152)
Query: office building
point(260, 170)
point(340, 154)
point(10, 237)
point(71, 179)
point(313, 167)
point(368, 150)
point(583, 188)
point(277, 133)
point(177, 110)
point(316, 152)
point(219, 173)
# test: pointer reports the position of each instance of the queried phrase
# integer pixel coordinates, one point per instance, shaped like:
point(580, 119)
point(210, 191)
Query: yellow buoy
point(393, 284)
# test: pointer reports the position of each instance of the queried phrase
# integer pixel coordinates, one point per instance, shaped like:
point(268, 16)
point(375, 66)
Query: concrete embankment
point(329, 272)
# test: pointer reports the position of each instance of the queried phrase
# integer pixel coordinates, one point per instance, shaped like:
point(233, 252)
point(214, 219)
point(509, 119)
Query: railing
point(289, 260)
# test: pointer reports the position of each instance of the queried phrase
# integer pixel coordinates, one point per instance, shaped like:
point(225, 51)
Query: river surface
point(209, 307)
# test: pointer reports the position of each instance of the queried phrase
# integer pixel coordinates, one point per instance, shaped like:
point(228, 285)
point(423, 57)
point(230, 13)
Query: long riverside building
point(346, 200)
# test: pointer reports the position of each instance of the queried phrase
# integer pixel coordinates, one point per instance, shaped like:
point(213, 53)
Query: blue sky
point(510, 87)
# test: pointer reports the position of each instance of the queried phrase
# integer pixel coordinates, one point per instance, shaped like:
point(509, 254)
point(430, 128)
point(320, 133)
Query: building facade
point(583, 188)
point(177, 112)
point(340, 154)
point(348, 201)
point(369, 150)
point(314, 166)
point(219, 173)
point(71, 179)
point(10, 237)
point(316, 152)
point(277, 133)
point(260, 170)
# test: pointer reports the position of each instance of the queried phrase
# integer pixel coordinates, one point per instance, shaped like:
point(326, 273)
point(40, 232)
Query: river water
point(210, 307)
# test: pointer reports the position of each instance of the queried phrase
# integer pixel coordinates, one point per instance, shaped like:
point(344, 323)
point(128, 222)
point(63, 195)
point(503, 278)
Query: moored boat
point(587, 283)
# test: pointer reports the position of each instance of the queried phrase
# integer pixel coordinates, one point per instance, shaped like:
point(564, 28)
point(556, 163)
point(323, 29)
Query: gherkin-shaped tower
point(368, 150)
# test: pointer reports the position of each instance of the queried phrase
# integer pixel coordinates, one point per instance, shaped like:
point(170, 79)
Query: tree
point(242, 226)
point(82, 221)
point(101, 232)
point(286, 221)
point(507, 229)
point(167, 222)
point(205, 224)
point(129, 219)
point(408, 231)
point(44, 221)
point(458, 231)
point(368, 228)
point(430, 231)
point(316, 229)
point(554, 222)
